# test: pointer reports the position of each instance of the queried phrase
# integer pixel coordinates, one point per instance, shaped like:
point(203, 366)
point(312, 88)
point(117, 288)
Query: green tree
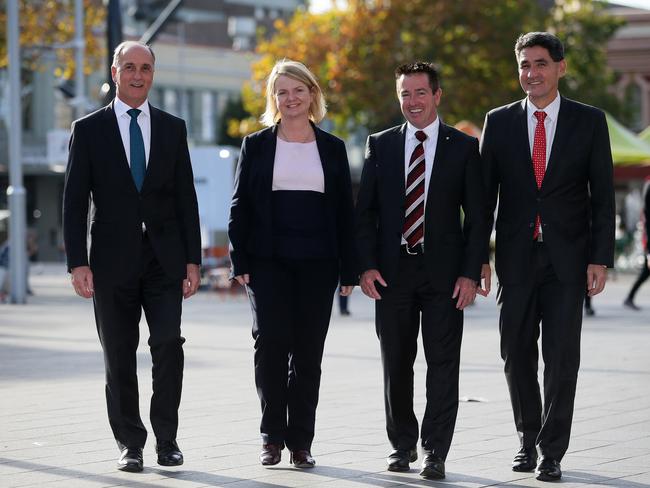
point(354, 51)
point(48, 23)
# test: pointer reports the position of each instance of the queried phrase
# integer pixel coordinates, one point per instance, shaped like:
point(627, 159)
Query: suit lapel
point(267, 159)
point(116, 145)
point(154, 146)
point(325, 153)
point(520, 136)
point(397, 154)
point(564, 122)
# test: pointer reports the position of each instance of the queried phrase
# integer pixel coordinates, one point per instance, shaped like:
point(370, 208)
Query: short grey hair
point(125, 45)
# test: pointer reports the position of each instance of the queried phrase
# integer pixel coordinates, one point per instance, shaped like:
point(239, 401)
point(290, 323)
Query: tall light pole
point(80, 45)
point(16, 190)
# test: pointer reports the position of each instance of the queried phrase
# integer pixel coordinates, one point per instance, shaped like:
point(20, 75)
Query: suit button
point(531, 225)
point(539, 200)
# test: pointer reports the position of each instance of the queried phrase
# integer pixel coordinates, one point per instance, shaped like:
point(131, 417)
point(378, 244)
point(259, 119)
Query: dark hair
point(543, 39)
point(428, 69)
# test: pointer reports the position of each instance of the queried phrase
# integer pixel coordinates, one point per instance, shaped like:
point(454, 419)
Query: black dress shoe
point(130, 460)
point(399, 459)
point(302, 459)
point(548, 469)
point(433, 467)
point(169, 453)
point(525, 460)
point(271, 454)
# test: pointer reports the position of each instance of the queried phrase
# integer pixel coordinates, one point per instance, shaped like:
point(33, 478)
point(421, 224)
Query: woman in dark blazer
point(291, 242)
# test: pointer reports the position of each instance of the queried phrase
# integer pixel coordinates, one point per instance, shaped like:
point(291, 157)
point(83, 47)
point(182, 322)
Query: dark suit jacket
point(250, 228)
point(98, 168)
point(453, 245)
point(575, 201)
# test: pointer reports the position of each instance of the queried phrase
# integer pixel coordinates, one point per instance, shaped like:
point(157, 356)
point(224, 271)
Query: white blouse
point(297, 166)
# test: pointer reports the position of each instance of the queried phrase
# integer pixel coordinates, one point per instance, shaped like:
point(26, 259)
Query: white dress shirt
point(430, 143)
point(123, 121)
point(550, 123)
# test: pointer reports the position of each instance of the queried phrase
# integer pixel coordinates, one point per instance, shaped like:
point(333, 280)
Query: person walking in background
point(645, 270)
point(548, 160)
point(291, 242)
point(132, 161)
point(420, 263)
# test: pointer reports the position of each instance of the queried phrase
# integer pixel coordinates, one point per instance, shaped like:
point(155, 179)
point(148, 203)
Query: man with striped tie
point(421, 237)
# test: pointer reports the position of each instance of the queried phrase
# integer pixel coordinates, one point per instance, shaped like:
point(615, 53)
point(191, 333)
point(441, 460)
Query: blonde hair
point(299, 72)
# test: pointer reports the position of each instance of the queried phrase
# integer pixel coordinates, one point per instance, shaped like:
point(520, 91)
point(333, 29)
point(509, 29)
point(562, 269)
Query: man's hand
point(192, 281)
point(486, 279)
point(244, 279)
point(596, 278)
point(367, 283)
point(82, 281)
point(465, 290)
point(346, 290)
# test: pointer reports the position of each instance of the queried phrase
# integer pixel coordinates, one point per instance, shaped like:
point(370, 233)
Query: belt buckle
point(419, 244)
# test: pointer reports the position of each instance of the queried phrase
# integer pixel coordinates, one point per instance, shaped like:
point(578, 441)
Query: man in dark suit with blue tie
point(548, 160)
point(129, 175)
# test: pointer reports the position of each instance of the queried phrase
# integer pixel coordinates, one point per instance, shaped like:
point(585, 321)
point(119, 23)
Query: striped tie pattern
point(413, 229)
point(539, 158)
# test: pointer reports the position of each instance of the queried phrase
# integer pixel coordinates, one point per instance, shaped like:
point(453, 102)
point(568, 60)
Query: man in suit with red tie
point(132, 162)
point(548, 160)
point(421, 262)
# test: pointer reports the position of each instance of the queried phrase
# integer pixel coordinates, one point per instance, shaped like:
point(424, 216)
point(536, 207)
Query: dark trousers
point(118, 308)
point(558, 306)
point(643, 276)
point(407, 301)
point(291, 301)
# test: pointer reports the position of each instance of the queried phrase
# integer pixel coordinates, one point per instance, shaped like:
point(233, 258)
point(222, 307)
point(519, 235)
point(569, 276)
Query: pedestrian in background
point(291, 242)
point(644, 274)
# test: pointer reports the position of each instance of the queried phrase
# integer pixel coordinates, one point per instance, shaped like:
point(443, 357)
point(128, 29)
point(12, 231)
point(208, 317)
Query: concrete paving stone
point(51, 385)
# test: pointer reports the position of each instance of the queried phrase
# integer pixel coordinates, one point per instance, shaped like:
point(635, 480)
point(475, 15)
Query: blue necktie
point(138, 166)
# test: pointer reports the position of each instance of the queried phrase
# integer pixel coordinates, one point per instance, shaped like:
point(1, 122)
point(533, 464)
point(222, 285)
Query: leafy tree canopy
point(46, 26)
point(354, 51)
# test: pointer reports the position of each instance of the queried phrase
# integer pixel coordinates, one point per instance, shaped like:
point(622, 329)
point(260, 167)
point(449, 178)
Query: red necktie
point(539, 158)
point(413, 229)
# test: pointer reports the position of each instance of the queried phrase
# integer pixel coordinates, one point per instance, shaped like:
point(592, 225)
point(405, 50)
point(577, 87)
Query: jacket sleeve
point(474, 224)
point(186, 202)
point(601, 191)
point(345, 222)
point(367, 212)
point(76, 196)
point(239, 221)
point(490, 174)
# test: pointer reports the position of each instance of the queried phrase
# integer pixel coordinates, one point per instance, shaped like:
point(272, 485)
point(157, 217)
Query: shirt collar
point(121, 108)
point(552, 109)
point(430, 130)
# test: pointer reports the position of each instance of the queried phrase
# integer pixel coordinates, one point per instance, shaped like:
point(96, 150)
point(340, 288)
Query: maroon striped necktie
point(413, 229)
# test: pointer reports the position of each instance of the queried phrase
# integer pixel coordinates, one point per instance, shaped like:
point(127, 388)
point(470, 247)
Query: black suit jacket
point(98, 170)
point(575, 201)
point(453, 245)
point(250, 228)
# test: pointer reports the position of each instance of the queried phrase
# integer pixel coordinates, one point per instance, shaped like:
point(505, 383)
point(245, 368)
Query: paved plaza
point(54, 432)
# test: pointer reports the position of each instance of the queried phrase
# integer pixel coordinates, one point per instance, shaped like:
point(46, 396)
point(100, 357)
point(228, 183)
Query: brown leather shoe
point(302, 459)
point(271, 454)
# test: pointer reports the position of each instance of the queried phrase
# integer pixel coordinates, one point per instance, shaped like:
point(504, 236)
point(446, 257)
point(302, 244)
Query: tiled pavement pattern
point(54, 432)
